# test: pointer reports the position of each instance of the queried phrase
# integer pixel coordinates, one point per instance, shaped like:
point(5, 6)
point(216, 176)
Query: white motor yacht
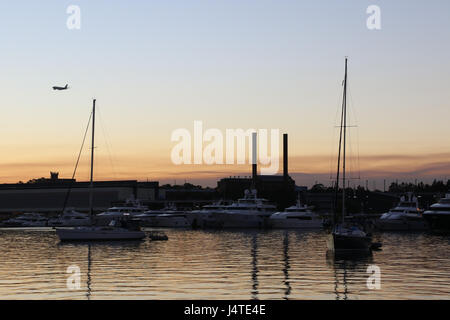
point(170, 220)
point(30, 219)
point(296, 217)
point(131, 208)
point(438, 215)
point(405, 216)
point(70, 218)
point(168, 217)
point(247, 212)
point(206, 216)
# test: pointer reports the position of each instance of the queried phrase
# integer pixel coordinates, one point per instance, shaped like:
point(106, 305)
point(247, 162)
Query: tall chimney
point(254, 157)
point(285, 155)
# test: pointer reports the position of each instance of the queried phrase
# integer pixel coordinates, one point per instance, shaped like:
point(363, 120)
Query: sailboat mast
point(91, 187)
point(344, 106)
point(342, 125)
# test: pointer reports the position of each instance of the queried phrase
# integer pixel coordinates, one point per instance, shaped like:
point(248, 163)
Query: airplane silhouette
point(61, 88)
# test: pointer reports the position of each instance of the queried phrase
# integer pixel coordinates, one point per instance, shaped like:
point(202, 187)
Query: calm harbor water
point(196, 264)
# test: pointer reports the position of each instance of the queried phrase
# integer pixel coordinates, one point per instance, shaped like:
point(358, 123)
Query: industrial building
point(277, 188)
point(47, 195)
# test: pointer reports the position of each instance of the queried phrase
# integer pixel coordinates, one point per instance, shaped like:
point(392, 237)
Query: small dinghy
point(376, 246)
point(158, 236)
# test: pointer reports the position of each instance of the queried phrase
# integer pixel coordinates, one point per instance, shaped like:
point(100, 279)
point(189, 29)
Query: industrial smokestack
point(254, 157)
point(285, 155)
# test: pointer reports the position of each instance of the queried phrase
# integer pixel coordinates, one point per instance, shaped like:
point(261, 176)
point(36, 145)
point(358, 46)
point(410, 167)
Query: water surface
point(197, 264)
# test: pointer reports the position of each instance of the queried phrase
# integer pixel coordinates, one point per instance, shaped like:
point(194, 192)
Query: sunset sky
point(156, 66)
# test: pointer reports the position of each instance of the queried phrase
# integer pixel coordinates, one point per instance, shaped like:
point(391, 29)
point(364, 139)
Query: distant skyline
point(158, 66)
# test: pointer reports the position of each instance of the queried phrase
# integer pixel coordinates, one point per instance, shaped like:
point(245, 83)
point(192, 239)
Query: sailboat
point(92, 232)
point(345, 237)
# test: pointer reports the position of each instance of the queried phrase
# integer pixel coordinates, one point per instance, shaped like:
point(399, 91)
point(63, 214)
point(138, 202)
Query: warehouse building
point(47, 195)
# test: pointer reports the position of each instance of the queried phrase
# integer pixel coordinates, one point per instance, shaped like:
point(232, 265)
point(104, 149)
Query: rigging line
point(332, 152)
point(354, 161)
point(350, 158)
point(339, 162)
point(355, 115)
point(334, 136)
point(108, 149)
point(76, 164)
point(352, 106)
point(357, 152)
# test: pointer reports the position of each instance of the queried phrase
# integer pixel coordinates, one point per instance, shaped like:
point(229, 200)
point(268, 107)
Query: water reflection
point(286, 266)
point(195, 264)
point(254, 254)
point(90, 245)
point(88, 282)
point(345, 266)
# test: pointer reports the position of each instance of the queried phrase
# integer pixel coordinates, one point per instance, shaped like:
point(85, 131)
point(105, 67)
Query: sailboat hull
point(337, 242)
point(98, 234)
